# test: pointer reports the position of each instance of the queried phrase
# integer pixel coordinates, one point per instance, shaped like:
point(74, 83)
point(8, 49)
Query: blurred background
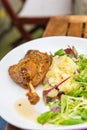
point(10, 37)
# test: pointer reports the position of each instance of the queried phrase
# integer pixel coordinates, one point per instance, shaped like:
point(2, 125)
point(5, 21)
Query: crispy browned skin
point(32, 68)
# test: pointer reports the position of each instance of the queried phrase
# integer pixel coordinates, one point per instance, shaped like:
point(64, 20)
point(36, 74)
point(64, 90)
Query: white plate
point(10, 92)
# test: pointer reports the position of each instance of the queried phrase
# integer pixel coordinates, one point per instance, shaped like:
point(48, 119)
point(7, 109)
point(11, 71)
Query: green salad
point(66, 94)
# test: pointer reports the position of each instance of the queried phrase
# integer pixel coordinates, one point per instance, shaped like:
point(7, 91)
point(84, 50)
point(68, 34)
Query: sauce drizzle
point(26, 110)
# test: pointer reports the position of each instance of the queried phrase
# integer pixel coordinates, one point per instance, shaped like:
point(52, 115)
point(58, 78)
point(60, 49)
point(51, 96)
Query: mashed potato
point(61, 68)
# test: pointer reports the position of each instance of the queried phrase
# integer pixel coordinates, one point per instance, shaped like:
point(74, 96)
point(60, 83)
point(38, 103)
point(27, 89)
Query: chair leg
point(23, 32)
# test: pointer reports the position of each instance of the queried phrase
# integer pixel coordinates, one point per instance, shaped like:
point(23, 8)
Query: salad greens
point(82, 68)
point(71, 110)
point(60, 52)
point(71, 107)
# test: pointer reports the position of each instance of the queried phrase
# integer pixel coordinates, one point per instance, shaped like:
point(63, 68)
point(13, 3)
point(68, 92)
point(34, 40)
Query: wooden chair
point(35, 12)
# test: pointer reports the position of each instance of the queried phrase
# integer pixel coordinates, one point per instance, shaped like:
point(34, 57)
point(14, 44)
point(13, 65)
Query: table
point(73, 25)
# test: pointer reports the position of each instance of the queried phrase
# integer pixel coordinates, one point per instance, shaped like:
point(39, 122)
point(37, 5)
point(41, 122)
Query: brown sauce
point(26, 110)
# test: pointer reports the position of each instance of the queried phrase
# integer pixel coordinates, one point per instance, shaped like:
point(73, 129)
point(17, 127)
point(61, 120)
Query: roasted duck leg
point(31, 70)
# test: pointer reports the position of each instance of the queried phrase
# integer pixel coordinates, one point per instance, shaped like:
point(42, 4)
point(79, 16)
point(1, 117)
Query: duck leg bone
point(32, 95)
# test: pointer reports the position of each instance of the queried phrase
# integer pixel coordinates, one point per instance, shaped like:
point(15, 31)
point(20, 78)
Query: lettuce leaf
point(73, 111)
